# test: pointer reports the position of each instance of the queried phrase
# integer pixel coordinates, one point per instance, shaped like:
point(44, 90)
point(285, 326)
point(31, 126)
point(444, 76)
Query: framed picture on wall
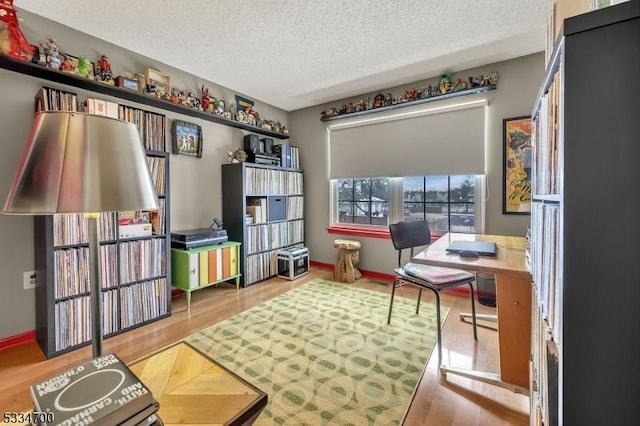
point(187, 138)
point(517, 153)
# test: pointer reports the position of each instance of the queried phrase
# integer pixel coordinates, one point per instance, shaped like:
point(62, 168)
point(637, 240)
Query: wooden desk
point(192, 389)
point(513, 296)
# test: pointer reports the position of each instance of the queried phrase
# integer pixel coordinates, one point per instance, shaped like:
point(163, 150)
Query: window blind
point(447, 140)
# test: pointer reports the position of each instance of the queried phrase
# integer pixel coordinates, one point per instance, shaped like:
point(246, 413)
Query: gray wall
point(519, 80)
point(195, 183)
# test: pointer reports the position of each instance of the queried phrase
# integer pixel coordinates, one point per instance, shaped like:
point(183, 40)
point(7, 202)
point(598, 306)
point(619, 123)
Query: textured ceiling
point(296, 53)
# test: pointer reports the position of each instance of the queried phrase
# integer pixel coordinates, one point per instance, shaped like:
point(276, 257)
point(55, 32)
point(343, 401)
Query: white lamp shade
point(77, 163)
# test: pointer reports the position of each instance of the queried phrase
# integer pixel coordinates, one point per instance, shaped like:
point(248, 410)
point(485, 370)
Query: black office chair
point(409, 235)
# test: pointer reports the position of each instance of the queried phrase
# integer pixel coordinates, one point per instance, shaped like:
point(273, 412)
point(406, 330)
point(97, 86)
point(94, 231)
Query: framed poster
point(187, 138)
point(517, 153)
point(243, 103)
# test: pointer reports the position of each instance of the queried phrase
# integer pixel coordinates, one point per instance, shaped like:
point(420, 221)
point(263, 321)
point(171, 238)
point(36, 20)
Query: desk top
point(510, 255)
point(193, 389)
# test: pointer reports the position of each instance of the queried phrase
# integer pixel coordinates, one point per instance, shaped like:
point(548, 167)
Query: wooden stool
point(348, 256)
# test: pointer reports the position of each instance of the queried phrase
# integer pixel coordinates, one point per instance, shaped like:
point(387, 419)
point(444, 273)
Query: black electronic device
point(257, 158)
point(268, 145)
point(481, 248)
point(195, 238)
point(251, 143)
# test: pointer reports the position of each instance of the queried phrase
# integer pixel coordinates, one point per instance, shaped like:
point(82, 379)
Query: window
point(363, 201)
point(448, 203)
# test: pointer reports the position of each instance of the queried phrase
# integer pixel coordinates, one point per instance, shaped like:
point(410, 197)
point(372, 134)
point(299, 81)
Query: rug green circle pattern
point(325, 355)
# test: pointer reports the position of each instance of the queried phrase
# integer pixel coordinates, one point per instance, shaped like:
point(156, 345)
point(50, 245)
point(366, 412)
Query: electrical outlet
point(29, 280)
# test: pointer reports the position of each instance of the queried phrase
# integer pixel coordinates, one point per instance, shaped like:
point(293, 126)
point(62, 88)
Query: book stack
point(103, 391)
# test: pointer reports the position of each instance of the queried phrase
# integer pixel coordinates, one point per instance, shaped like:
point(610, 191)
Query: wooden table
point(513, 297)
point(193, 389)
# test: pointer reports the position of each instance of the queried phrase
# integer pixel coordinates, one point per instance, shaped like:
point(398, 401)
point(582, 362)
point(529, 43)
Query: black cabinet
point(585, 231)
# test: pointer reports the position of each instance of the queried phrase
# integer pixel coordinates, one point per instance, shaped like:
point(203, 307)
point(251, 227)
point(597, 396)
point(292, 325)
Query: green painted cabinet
point(205, 266)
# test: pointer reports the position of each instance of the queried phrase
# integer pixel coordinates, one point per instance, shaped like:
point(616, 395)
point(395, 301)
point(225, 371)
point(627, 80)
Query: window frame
point(396, 208)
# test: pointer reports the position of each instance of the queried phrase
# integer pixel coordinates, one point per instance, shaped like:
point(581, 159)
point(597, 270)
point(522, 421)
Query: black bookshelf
point(259, 263)
point(130, 298)
point(586, 196)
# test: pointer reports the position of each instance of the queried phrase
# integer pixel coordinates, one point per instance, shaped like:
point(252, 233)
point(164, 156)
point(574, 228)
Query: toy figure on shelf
point(378, 101)
point(67, 65)
point(460, 85)
point(409, 95)
point(194, 101)
point(207, 103)
point(103, 68)
point(445, 82)
point(174, 98)
point(84, 67)
point(52, 56)
point(219, 106)
point(12, 42)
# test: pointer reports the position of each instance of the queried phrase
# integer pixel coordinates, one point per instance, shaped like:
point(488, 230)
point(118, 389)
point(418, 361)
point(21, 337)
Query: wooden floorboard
point(437, 401)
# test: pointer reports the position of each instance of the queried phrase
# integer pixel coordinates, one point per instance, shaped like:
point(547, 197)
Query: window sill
point(360, 232)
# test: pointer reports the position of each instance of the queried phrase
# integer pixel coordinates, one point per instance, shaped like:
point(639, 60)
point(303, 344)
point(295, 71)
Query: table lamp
point(82, 163)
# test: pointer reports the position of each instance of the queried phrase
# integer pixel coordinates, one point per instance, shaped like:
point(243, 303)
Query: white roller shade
point(447, 140)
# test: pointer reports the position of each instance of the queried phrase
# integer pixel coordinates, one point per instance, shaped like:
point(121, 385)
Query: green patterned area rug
point(324, 354)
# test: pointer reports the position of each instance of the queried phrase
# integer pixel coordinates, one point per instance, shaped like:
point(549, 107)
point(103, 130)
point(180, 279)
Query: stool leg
point(419, 299)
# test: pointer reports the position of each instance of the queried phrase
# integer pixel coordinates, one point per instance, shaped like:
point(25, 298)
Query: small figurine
point(174, 99)
point(12, 42)
point(52, 56)
point(492, 77)
point(195, 102)
point(238, 156)
point(475, 81)
point(150, 89)
point(67, 65)
point(388, 99)
point(350, 107)
point(207, 104)
point(219, 106)
point(444, 84)
point(460, 85)
point(104, 70)
point(378, 101)
point(84, 67)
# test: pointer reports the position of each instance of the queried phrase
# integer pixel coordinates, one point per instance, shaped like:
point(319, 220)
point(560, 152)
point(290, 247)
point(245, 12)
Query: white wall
point(517, 88)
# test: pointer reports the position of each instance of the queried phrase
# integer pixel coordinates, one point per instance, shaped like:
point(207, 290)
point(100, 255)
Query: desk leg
point(513, 295)
point(188, 300)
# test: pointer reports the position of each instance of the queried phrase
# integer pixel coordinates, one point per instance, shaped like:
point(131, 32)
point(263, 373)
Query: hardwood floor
point(450, 401)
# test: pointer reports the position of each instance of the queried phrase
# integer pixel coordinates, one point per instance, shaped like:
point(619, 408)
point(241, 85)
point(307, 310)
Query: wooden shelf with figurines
point(445, 88)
